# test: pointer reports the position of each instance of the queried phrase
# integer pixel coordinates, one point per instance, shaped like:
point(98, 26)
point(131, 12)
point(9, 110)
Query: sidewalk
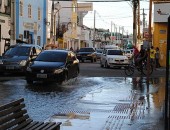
point(129, 104)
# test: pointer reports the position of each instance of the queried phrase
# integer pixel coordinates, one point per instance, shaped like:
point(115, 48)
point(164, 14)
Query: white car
point(113, 58)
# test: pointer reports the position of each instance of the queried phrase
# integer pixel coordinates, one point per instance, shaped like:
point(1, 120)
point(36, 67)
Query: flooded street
point(93, 103)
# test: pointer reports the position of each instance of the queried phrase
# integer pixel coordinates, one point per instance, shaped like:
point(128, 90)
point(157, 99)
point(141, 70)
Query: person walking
point(157, 56)
point(152, 56)
point(142, 56)
point(71, 49)
point(135, 53)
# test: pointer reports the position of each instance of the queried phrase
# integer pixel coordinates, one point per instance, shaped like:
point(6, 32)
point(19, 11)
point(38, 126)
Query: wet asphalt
point(93, 103)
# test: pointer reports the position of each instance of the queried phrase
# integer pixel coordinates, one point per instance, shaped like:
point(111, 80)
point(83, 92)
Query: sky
point(120, 13)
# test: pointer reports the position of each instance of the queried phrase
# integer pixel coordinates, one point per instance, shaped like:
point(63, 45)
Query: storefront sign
point(28, 25)
point(162, 31)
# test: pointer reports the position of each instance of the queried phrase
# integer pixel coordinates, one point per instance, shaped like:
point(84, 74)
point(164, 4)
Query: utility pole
point(135, 4)
point(111, 33)
point(52, 22)
point(143, 21)
point(150, 21)
point(13, 23)
point(94, 28)
point(139, 36)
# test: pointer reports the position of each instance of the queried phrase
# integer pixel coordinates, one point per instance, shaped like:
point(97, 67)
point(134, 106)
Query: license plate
point(9, 67)
point(41, 75)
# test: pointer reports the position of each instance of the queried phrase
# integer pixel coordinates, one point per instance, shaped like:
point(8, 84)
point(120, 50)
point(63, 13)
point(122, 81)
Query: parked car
point(17, 57)
point(53, 66)
point(113, 58)
point(87, 53)
point(99, 53)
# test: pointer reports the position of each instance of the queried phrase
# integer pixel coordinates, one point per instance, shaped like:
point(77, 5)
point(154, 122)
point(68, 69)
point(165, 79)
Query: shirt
point(152, 53)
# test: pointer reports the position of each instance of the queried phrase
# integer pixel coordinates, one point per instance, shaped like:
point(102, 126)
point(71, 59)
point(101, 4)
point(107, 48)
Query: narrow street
point(93, 101)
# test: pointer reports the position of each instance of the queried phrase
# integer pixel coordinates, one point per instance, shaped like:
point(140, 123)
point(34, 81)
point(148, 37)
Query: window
point(29, 11)
point(21, 8)
point(39, 14)
point(39, 40)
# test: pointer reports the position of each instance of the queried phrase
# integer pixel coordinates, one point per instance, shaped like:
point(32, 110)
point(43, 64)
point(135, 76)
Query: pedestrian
point(142, 56)
point(135, 53)
point(71, 48)
point(157, 56)
point(152, 56)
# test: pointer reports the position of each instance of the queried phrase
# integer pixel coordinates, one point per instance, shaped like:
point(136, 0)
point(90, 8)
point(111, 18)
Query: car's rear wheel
point(29, 81)
point(92, 60)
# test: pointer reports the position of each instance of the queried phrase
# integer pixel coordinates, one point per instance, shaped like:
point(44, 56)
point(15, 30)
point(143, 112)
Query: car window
point(99, 51)
point(86, 50)
point(114, 52)
point(18, 51)
point(51, 57)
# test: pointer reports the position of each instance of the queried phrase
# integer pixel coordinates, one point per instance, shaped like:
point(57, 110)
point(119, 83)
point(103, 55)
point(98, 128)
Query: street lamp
point(57, 8)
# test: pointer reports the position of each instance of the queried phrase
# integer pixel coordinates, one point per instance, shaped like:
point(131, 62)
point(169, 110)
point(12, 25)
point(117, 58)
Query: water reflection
point(154, 91)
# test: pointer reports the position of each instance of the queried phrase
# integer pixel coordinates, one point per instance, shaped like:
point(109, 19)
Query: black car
point(87, 53)
point(17, 57)
point(53, 66)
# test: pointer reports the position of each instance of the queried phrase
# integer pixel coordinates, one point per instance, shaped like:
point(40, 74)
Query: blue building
point(30, 21)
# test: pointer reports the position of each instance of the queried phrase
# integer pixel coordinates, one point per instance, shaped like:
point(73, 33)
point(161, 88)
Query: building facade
point(30, 21)
point(160, 23)
point(4, 23)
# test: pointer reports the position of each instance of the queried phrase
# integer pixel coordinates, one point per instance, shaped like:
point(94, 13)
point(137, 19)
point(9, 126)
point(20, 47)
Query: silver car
point(17, 57)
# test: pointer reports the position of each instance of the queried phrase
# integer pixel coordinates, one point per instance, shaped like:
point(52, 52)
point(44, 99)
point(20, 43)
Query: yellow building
point(160, 23)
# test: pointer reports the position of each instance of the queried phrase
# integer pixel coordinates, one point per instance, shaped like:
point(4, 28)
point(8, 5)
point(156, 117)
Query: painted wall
point(160, 29)
point(160, 40)
point(33, 25)
point(4, 31)
point(4, 23)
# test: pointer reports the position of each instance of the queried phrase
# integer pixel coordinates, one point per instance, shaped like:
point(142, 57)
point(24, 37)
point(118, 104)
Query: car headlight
point(57, 71)
point(109, 59)
point(23, 62)
point(29, 69)
point(1, 62)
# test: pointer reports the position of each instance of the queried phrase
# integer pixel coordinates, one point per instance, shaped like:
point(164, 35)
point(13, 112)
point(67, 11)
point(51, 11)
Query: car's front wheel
point(64, 79)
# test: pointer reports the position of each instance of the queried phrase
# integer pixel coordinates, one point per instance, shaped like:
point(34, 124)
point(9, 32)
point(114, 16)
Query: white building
point(4, 23)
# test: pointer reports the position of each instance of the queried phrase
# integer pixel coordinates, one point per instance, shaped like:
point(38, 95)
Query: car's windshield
point(18, 51)
point(127, 52)
point(99, 51)
point(114, 52)
point(86, 50)
point(52, 56)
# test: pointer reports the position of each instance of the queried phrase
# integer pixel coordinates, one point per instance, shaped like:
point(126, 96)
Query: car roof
point(56, 50)
point(87, 47)
point(114, 49)
point(27, 45)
